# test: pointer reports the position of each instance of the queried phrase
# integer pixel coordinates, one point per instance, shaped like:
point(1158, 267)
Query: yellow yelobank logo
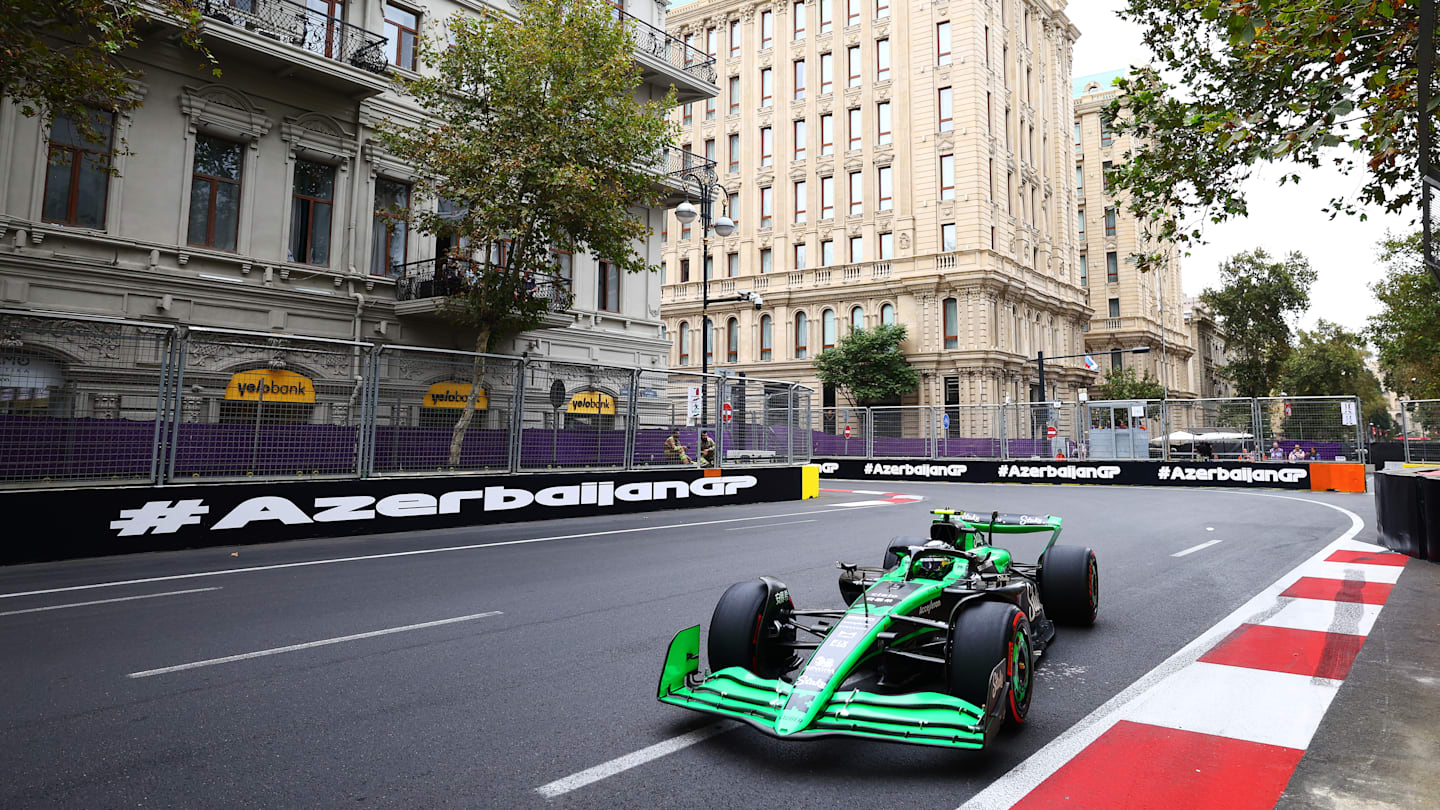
point(270, 385)
point(453, 395)
point(592, 402)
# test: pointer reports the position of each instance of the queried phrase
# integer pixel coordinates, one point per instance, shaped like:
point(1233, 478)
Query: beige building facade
point(1131, 308)
point(1208, 340)
point(254, 201)
point(885, 162)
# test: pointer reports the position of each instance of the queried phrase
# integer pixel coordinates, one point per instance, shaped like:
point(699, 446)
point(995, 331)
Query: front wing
point(920, 718)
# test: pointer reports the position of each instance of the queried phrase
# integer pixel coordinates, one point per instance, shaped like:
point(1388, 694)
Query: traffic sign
point(847, 431)
point(726, 413)
point(1051, 432)
point(557, 394)
point(945, 421)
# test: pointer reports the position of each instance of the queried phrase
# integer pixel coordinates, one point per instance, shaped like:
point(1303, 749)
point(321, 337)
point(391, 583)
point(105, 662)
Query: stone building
point(886, 163)
point(1131, 308)
point(1208, 340)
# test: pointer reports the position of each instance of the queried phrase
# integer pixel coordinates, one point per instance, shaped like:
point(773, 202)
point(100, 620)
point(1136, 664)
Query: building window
point(732, 265)
point(827, 134)
point(799, 263)
point(565, 267)
point(800, 201)
point(684, 343)
point(732, 341)
point(827, 330)
point(797, 11)
point(882, 123)
point(882, 60)
point(684, 270)
point(952, 324)
point(857, 202)
point(1084, 271)
point(852, 66)
point(215, 193)
point(710, 37)
point(798, 136)
point(1080, 179)
point(887, 314)
point(942, 43)
point(1081, 219)
point(733, 209)
point(886, 192)
point(767, 87)
point(852, 12)
point(827, 23)
point(767, 337)
point(1110, 221)
point(767, 206)
point(1107, 168)
point(710, 149)
point(990, 176)
point(77, 177)
point(1117, 359)
point(882, 9)
point(947, 237)
point(707, 340)
point(1077, 136)
point(388, 231)
point(402, 28)
point(1105, 136)
point(827, 253)
point(734, 95)
point(1009, 191)
point(687, 116)
point(767, 261)
point(857, 318)
point(857, 249)
point(856, 133)
point(827, 73)
point(799, 79)
point(709, 267)
point(887, 246)
point(802, 336)
point(827, 197)
point(734, 39)
point(1114, 307)
point(767, 146)
point(947, 177)
point(313, 196)
point(1112, 268)
point(732, 148)
point(767, 29)
point(710, 109)
point(947, 110)
point(989, 115)
point(607, 284)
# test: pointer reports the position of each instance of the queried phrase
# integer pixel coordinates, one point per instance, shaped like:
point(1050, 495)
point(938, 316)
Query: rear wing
point(1003, 523)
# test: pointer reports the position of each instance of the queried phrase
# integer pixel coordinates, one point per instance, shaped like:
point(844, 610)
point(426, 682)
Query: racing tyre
point(745, 630)
point(983, 636)
point(1070, 585)
point(891, 558)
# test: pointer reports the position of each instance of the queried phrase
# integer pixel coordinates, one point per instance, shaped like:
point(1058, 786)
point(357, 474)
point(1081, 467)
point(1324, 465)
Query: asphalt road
point(481, 711)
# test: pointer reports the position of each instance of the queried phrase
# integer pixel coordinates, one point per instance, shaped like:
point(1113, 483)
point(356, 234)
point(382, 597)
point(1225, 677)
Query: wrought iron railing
point(311, 29)
point(445, 276)
point(677, 161)
point(657, 43)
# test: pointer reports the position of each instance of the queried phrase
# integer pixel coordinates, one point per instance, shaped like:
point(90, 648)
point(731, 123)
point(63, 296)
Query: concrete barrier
point(1407, 511)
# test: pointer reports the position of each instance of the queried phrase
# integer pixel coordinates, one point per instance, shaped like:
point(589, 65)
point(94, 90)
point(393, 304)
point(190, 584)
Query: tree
point(537, 143)
point(1307, 81)
point(1330, 361)
point(1254, 304)
point(1124, 383)
point(59, 58)
point(869, 366)
point(1406, 331)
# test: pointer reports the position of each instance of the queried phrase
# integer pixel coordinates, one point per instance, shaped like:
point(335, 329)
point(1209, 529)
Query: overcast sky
point(1281, 219)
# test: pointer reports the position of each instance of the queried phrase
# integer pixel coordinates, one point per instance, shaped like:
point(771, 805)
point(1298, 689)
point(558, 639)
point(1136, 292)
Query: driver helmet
point(935, 567)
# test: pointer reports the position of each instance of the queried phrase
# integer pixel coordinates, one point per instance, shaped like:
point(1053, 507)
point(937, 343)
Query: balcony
point(666, 60)
point(671, 167)
point(421, 287)
point(292, 39)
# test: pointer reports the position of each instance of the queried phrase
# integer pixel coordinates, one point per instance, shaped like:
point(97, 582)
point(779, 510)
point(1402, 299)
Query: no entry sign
point(726, 413)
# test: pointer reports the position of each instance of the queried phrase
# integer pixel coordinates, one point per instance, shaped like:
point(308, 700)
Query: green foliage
point(1307, 81)
point(1330, 361)
point(60, 57)
point(1255, 303)
point(869, 366)
point(1126, 384)
point(1406, 331)
point(536, 139)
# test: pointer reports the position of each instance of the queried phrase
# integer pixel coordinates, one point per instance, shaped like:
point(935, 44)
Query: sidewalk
point(1378, 745)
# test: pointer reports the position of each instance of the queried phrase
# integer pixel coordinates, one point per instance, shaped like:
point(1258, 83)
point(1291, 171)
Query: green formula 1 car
point(938, 646)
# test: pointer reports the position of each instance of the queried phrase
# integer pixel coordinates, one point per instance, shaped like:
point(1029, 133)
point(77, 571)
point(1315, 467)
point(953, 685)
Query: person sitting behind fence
point(1276, 454)
point(1297, 453)
point(1205, 450)
point(674, 450)
point(707, 450)
point(1245, 454)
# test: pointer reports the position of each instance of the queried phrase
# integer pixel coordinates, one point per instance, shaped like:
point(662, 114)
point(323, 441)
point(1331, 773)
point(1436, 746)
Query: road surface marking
point(1194, 549)
point(106, 601)
point(753, 528)
point(621, 764)
point(210, 662)
point(469, 547)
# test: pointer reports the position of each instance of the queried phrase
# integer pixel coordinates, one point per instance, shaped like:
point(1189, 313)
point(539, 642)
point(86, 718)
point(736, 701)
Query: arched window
point(827, 330)
point(708, 338)
point(732, 341)
point(887, 314)
point(952, 324)
point(767, 337)
point(684, 343)
point(857, 318)
point(802, 336)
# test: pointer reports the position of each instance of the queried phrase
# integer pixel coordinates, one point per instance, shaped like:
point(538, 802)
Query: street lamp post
point(1040, 359)
point(707, 185)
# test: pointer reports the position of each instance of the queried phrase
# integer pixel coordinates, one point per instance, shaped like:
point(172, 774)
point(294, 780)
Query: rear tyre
point(891, 558)
point(745, 630)
point(983, 636)
point(1070, 585)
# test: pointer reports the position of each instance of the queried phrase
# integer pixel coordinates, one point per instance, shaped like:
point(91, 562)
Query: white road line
point(414, 552)
point(1020, 780)
point(210, 662)
point(106, 601)
point(1194, 549)
point(753, 528)
point(620, 764)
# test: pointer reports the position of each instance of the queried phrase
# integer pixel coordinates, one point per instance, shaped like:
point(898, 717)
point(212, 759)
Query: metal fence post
point(517, 417)
point(1257, 425)
point(175, 410)
point(1361, 448)
point(1004, 437)
point(1405, 428)
point(162, 410)
point(869, 417)
point(632, 418)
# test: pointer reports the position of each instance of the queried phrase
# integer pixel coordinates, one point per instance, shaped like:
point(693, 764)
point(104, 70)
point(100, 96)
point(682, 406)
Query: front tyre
point(983, 636)
point(747, 628)
point(1070, 585)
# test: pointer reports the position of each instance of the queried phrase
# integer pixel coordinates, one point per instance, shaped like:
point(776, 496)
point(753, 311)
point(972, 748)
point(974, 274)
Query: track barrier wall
point(1302, 476)
point(1407, 512)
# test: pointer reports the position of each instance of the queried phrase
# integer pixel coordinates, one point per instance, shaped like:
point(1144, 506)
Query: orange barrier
point(1339, 477)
